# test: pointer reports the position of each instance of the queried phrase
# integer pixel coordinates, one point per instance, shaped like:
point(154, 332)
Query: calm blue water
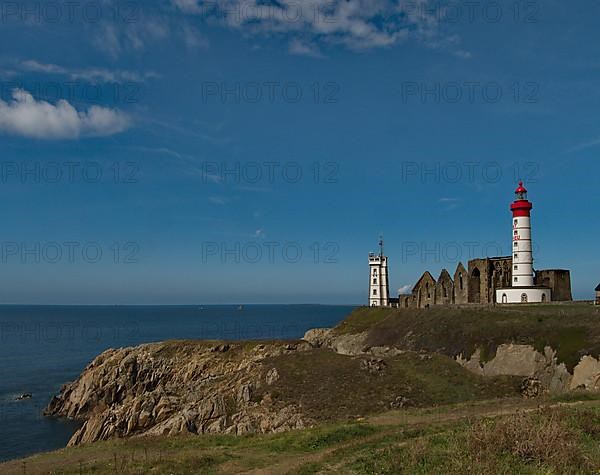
point(42, 348)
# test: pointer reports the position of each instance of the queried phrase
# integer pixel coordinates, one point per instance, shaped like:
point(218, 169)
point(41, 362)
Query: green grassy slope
point(513, 437)
point(573, 330)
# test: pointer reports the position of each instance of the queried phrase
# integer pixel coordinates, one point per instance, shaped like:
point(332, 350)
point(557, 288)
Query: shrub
point(539, 438)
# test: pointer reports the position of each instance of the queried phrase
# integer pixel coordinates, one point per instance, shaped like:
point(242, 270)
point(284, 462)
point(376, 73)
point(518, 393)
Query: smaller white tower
point(379, 292)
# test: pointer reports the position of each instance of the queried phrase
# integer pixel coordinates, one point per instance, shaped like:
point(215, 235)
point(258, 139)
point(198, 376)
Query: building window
point(516, 256)
point(444, 291)
point(516, 279)
point(523, 298)
point(516, 232)
point(460, 281)
point(374, 291)
point(516, 267)
point(516, 222)
point(515, 244)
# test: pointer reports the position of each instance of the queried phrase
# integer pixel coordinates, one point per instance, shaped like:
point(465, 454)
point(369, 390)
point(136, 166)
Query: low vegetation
point(332, 387)
point(549, 441)
point(514, 437)
point(573, 330)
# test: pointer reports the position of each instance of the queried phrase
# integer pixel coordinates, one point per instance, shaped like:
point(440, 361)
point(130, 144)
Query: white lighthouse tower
point(522, 255)
point(523, 289)
point(379, 292)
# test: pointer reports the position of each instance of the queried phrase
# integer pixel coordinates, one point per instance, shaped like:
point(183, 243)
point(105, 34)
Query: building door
point(504, 298)
point(523, 298)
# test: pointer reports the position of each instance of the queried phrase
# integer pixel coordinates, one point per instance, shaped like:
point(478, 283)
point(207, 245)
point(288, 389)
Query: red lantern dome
point(521, 206)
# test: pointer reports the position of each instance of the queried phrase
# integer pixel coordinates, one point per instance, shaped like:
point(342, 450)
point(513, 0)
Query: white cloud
point(217, 200)
point(114, 39)
point(28, 117)
point(356, 24)
point(189, 6)
point(300, 48)
point(405, 289)
point(87, 74)
point(193, 39)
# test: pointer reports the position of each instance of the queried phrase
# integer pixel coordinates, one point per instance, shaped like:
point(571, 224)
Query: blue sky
point(181, 152)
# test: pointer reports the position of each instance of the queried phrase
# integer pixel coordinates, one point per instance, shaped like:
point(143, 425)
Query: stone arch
point(475, 286)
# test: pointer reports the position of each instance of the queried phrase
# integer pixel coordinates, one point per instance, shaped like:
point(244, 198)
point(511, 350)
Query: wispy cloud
point(160, 150)
point(87, 74)
point(448, 200)
point(405, 289)
point(217, 200)
point(451, 203)
point(356, 24)
point(115, 39)
point(585, 145)
point(28, 117)
point(299, 48)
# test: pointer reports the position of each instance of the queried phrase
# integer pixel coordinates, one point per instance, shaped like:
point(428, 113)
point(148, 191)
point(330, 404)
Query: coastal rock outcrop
point(173, 387)
point(526, 361)
point(543, 368)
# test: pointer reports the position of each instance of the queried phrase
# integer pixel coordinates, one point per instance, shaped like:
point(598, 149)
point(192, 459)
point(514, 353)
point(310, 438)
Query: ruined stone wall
point(479, 280)
point(486, 275)
point(424, 291)
point(478, 284)
point(461, 287)
point(501, 276)
point(558, 280)
point(406, 301)
point(444, 289)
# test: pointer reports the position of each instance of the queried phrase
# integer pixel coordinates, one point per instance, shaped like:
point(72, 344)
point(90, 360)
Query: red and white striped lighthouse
point(523, 289)
point(522, 255)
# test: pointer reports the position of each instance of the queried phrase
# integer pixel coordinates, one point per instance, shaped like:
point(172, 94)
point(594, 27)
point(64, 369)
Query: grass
point(550, 440)
point(362, 319)
point(572, 330)
point(332, 387)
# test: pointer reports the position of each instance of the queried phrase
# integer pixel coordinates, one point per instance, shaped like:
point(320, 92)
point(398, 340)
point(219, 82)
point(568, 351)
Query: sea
point(43, 347)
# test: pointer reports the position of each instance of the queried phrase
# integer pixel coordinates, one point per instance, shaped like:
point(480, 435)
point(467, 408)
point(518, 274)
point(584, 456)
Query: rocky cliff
point(177, 387)
point(526, 361)
point(244, 387)
point(366, 365)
